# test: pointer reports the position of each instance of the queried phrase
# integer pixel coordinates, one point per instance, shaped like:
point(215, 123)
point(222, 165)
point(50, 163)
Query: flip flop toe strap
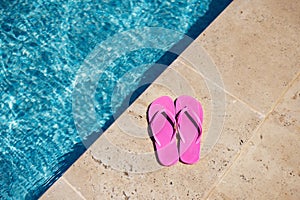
point(194, 118)
point(170, 118)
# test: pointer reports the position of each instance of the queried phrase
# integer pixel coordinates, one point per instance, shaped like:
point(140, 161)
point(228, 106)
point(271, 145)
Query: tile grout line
point(73, 188)
point(226, 91)
point(233, 162)
point(254, 133)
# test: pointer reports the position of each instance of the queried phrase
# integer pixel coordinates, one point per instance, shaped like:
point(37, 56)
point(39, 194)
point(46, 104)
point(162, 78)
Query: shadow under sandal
point(161, 119)
point(189, 115)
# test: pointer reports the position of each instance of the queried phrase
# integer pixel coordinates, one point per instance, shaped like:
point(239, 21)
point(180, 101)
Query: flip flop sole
point(160, 112)
point(190, 113)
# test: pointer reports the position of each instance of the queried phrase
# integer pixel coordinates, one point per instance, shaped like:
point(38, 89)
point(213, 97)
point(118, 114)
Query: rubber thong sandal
point(161, 120)
point(189, 115)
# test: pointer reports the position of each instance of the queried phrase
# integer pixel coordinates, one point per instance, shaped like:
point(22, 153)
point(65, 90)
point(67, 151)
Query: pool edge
point(62, 185)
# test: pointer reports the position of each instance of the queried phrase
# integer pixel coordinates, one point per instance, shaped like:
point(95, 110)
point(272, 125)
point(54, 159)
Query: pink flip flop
point(161, 120)
point(189, 115)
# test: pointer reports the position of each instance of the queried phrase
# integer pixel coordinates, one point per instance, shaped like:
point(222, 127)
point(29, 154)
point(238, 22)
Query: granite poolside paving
point(245, 70)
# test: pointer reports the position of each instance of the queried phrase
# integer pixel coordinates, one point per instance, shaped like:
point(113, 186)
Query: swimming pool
point(42, 46)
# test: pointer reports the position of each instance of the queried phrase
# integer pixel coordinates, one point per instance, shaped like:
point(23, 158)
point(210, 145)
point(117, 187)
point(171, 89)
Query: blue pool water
point(43, 44)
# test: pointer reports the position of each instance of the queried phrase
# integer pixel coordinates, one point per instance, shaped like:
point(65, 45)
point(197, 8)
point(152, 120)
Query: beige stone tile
point(268, 167)
point(61, 190)
point(219, 196)
point(289, 106)
point(256, 46)
point(122, 164)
